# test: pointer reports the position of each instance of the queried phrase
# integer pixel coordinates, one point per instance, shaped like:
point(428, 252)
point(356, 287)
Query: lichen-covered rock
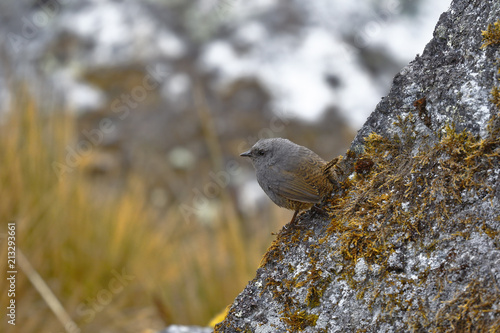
point(411, 241)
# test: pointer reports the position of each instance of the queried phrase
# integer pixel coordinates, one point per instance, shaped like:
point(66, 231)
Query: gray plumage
point(291, 175)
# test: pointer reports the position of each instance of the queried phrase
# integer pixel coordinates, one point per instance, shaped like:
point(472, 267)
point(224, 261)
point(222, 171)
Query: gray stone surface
point(453, 74)
point(186, 329)
point(412, 238)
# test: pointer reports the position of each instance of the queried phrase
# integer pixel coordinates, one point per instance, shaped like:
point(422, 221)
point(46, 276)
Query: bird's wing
point(288, 184)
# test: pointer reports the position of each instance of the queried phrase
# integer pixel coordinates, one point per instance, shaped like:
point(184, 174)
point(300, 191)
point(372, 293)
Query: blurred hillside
point(109, 262)
point(121, 124)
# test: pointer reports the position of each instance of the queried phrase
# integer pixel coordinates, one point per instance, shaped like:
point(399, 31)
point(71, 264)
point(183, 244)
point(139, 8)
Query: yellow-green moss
point(491, 35)
point(317, 285)
point(471, 310)
point(406, 194)
point(401, 190)
point(495, 96)
point(299, 320)
point(407, 189)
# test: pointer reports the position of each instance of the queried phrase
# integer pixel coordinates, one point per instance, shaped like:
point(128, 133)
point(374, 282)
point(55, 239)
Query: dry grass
point(79, 242)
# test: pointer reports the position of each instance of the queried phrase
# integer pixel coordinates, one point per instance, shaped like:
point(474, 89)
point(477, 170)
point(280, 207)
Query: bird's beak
point(248, 153)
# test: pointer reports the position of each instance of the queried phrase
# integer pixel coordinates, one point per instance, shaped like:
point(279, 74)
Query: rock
point(186, 329)
point(411, 242)
point(360, 270)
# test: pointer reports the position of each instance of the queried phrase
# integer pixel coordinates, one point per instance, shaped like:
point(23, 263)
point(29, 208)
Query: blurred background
point(121, 123)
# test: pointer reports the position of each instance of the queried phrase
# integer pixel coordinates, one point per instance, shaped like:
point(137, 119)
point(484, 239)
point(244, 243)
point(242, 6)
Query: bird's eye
point(260, 152)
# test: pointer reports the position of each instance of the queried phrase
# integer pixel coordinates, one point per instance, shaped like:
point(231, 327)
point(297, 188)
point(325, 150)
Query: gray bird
point(293, 176)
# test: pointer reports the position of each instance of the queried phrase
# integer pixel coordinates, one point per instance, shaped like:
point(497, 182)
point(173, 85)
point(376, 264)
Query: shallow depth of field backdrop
point(121, 123)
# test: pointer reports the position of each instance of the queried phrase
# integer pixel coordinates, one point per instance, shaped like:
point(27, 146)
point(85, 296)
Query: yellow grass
point(112, 265)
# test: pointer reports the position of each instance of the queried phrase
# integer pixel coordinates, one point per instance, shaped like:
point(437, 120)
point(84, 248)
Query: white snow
point(294, 69)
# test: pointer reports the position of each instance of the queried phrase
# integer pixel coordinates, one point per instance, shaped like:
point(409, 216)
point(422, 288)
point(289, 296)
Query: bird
point(293, 177)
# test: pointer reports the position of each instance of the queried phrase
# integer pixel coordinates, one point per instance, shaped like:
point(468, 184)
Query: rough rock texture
point(411, 241)
point(453, 74)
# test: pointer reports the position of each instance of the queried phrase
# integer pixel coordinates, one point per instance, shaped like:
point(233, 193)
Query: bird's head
point(265, 150)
